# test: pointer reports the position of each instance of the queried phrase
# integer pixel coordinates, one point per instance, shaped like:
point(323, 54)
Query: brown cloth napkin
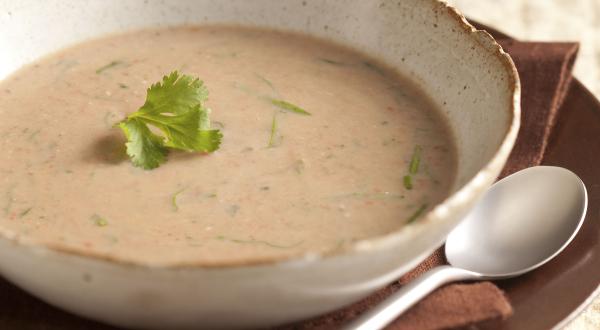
point(545, 72)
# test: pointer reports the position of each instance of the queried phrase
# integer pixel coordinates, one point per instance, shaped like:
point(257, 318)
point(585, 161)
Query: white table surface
point(550, 20)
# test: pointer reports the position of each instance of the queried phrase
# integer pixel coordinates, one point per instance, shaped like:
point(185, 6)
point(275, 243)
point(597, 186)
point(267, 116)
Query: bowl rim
point(490, 47)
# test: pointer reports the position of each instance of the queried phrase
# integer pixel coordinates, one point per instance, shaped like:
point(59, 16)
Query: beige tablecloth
point(550, 20)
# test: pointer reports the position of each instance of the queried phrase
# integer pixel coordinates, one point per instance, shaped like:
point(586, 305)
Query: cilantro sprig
point(174, 107)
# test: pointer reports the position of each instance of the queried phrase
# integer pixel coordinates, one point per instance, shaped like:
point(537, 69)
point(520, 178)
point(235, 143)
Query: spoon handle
point(399, 302)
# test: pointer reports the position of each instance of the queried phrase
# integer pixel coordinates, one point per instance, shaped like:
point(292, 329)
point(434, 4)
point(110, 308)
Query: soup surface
point(281, 183)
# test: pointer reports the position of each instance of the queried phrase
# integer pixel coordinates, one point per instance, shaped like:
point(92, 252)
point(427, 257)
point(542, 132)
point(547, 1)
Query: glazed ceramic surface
point(464, 71)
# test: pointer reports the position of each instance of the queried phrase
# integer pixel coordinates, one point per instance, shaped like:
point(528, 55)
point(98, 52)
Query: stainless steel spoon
point(521, 223)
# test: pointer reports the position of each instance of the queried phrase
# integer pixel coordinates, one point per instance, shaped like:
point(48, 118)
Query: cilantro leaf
point(175, 94)
point(174, 107)
point(145, 148)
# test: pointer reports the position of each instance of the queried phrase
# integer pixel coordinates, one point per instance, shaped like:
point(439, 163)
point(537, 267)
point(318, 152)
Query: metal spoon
point(521, 223)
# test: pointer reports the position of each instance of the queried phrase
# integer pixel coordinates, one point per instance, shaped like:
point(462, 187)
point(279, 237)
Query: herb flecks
point(415, 161)
point(417, 214)
point(282, 105)
point(109, 66)
point(99, 221)
point(375, 195)
point(232, 210)
point(33, 135)
point(289, 107)
point(330, 61)
point(273, 136)
point(374, 68)
point(176, 108)
point(299, 166)
point(174, 204)
point(251, 240)
point(413, 168)
point(407, 181)
point(9, 199)
point(267, 82)
point(25, 212)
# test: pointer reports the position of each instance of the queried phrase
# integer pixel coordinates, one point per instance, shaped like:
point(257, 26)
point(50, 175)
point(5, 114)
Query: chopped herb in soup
point(310, 146)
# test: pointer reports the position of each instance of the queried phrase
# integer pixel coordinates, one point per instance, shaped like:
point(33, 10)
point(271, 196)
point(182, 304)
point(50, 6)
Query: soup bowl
point(464, 71)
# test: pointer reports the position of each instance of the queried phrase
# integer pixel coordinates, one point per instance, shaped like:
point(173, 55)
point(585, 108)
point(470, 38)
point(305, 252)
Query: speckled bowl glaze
point(465, 72)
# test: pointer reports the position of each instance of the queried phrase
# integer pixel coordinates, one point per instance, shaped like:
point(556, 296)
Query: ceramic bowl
point(464, 71)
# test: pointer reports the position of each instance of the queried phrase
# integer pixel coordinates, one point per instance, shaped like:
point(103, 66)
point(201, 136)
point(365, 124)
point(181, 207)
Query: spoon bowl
point(521, 223)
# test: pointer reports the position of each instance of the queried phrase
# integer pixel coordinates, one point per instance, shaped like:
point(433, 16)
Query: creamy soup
point(281, 184)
